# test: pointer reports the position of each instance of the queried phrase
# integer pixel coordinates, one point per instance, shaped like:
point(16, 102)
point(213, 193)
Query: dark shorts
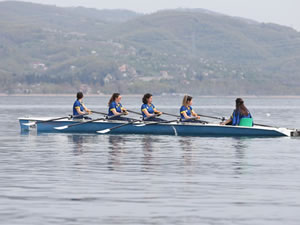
point(81, 117)
point(154, 119)
point(191, 121)
point(121, 118)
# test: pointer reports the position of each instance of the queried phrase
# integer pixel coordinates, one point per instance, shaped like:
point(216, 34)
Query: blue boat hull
point(179, 129)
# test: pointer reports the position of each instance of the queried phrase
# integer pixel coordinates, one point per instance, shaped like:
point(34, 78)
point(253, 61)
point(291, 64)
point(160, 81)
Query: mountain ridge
point(62, 50)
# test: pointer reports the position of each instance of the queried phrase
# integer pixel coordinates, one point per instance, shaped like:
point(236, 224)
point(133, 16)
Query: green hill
point(46, 49)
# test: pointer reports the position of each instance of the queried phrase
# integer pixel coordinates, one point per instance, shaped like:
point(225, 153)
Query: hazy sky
point(285, 12)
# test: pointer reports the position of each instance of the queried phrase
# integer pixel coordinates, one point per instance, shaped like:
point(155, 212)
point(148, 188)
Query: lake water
point(136, 179)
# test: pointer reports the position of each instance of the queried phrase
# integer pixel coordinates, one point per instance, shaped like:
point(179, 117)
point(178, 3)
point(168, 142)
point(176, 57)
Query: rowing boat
point(173, 128)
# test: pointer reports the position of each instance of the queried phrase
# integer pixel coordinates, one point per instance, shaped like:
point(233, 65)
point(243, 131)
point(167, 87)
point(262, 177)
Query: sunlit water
point(136, 179)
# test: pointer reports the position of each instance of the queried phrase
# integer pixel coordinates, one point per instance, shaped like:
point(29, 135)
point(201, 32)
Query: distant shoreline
point(138, 95)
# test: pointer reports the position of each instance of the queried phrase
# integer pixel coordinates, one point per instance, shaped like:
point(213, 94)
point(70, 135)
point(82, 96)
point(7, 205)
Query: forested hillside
point(46, 49)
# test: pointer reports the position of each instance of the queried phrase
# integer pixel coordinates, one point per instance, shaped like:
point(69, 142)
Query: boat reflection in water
point(82, 143)
point(116, 145)
point(78, 143)
point(187, 148)
point(240, 146)
point(147, 144)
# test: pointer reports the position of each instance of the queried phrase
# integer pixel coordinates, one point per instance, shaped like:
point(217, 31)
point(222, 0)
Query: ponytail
point(113, 98)
point(240, 107)
point(186, 100)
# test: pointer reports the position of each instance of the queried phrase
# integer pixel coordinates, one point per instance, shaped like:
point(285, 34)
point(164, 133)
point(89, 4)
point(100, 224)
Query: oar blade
point(139, 125)
point(29, 124)
point(61, 128)
point(103, 131)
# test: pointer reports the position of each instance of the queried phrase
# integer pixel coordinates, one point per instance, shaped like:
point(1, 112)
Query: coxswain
point(240, 116)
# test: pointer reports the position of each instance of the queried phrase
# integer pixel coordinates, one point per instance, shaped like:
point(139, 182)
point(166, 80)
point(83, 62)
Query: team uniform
point(151, 110)
point(78, 105)
point(237, 116)
point(115, 106)
point(188, 110)
point(119, 109)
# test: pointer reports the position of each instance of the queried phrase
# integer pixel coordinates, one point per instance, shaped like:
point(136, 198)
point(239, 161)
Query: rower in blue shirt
point(148, 110)
point(79, 108)
point(116, 109)
point(241, 113)
point(187, 114)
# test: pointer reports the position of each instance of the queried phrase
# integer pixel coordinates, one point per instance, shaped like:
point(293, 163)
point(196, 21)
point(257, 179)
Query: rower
point(187, 114)
point(240, 116)
point(115, 108)
point(149, 111)
point(79, 108)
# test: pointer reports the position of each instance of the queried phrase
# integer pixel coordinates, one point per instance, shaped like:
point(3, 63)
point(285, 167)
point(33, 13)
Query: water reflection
point(240, 146)
point(24, 132)
point(147, 144)
point(78, 141)
point(116, 146)
point(186, 145)
point(81, 142)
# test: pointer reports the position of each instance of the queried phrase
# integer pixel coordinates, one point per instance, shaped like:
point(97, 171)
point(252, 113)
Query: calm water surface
point(135, 179)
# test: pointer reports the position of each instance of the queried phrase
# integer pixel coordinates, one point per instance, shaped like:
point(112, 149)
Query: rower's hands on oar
point(158, 113)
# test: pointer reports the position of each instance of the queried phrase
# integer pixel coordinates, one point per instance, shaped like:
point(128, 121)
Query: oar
point(147, 124)
point(76, 124)
point(141, 114)
point(90, 121)
point(212, 117)
point(113, 128)
point(155, 115)
point(169, 114)
point(194, 118)
point(45, 121)
point(263, 125)
point(101, 113)
point(137, 113)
